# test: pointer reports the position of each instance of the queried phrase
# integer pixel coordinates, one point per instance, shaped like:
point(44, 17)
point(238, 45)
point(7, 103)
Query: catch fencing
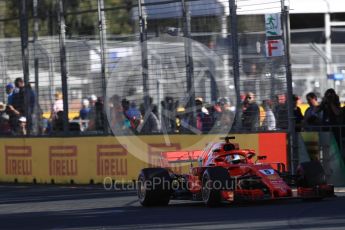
point(146, 67)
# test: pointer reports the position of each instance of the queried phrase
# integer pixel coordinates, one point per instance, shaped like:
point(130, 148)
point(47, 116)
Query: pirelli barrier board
point(86, 159)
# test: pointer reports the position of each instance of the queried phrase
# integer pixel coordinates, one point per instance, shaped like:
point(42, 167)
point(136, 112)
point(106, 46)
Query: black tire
point(154, 187)
point(310, 174)
point(213, 181)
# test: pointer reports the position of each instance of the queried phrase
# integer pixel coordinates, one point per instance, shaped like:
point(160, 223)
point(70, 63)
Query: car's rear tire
point(310, 174)
point(154, 187)
point(213, 181)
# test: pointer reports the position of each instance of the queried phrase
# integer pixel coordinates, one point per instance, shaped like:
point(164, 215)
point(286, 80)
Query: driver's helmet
point(236, 159)
point(229, 158)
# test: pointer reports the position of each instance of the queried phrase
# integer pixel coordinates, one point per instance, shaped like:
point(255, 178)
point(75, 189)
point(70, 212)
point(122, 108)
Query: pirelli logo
point(18, 160)
point(111, 160)
point(63, 161)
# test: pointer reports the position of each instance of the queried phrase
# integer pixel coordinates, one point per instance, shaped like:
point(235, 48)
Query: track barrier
point(84, 160)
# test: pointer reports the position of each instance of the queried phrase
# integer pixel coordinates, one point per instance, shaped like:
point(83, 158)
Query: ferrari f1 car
point(228, 173)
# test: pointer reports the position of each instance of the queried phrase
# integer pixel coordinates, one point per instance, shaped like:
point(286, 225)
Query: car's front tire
point(213, 181)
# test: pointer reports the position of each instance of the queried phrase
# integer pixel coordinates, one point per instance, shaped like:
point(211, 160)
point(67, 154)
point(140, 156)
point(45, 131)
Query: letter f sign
point(274, 48)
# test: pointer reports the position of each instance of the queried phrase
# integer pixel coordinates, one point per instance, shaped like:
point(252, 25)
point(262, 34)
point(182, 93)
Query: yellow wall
point(94, 158)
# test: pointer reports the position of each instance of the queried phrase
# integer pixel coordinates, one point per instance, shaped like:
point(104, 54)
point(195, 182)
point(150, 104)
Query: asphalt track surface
point(92, 207)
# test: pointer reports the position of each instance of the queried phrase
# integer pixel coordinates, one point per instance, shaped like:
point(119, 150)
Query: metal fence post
point(62, 38)
point(189, 63)
point(235, 61)
point(103, 37)
point(36, 62)
point(293, 138)
point(51, 77)
point(3, 72)
point(144, 55)
point(24, 34)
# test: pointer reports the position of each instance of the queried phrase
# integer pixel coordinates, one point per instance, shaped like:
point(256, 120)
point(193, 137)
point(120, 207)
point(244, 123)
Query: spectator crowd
point(22, 116)
point(324, 115)
point(127, 117)
point(17, 116)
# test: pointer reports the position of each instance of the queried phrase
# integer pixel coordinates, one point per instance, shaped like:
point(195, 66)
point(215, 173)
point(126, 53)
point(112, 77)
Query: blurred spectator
point(44, 126)
point(85, 110)
point(150, 123)
point(2, 108)
point(227, 115)
point(209, 118)
point(182, 120)
point(5, 127)
point(227, 104)
point(92, 112)
point(74, 127)
point(297, 113)
point(93, 100)
point(125, 106)
point(132, 114)
point(199, 114)
point(58, 122)
point(99, 116)
point(84, 114)
point(169, 107)
point(330, 106)
point(269, 122)
point(92, 105)
point(96, 116)
point(19, 97)
point(9, 92)
point(203, 108)
point(142, 105)
point(17, 107)
point(22, 130)
point(331, 113)
point(202, 115)
point(280, 110)
point(250, 115)
point(117, 122)
point(57, 106)
point(155, 110)
point(313, 114)
point(217, 112)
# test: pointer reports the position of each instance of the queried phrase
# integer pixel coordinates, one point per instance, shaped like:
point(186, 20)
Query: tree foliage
point(81, 17)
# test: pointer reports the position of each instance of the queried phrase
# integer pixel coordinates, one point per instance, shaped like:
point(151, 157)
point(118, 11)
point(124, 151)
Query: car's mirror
point(262, 157)
point(250, 155)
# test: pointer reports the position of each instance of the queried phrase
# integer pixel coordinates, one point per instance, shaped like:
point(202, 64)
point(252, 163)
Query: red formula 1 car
point(227, 173)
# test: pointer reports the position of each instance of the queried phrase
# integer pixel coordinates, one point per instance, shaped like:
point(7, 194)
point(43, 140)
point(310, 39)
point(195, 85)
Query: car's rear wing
point(181, 156)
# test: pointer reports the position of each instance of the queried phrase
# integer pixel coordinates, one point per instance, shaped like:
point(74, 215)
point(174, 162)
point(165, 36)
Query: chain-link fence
point(141, 67)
